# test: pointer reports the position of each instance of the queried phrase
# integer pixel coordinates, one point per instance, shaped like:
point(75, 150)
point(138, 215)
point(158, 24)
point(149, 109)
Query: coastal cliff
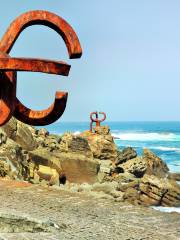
point(88, 162)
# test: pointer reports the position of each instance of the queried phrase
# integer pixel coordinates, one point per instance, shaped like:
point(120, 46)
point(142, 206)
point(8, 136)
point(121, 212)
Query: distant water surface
point(163, 138)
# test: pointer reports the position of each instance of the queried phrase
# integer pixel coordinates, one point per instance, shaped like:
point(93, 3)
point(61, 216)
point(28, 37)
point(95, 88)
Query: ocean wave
point(167, 209)
point(165, 149)
point(76, 133)
point(147, 136)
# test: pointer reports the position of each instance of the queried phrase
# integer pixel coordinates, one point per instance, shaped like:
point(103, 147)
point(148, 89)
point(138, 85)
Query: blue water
point(163, 138)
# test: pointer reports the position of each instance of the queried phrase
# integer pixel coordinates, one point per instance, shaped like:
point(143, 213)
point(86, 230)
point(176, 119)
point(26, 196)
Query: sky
point(130, 67)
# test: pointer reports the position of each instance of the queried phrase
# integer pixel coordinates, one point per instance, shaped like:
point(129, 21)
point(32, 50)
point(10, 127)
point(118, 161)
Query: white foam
point(165, 148)
point(167, 209)
point(147, 136)
point(76, 133)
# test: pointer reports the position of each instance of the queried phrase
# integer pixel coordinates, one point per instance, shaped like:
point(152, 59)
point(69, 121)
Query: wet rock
point(126, 154)
point(155, 165)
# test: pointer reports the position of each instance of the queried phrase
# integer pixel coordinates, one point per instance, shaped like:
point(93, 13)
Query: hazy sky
point(130, 66)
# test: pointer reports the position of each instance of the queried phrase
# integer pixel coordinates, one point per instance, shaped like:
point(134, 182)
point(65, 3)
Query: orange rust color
point(9, 104)
point(7, 183)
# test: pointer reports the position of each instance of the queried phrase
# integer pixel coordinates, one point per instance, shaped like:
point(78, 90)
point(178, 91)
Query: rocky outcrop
point(91, 161)
point(125, 155)
point(174, 176)
point(136, 166)
point(14, 162)
point(21, 134)
point(101, 143)
point(156, 191)
point(155, 165)
point(76, 158)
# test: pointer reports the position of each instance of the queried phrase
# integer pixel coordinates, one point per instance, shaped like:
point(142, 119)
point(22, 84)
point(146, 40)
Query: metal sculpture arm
point(45, 18)
point(9, 104)
point(41, 118)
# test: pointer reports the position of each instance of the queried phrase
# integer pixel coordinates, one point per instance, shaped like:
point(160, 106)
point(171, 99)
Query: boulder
point(155, 165)
point(75, 144)
point(156, 191)
point(42, 157)
point(21, 134)
point(78, 168)
point(14, 162)
point(136, 166)
point(49, 174)
point(126, 154)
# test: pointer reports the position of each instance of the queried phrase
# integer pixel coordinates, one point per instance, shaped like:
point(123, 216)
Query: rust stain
point(10, 105)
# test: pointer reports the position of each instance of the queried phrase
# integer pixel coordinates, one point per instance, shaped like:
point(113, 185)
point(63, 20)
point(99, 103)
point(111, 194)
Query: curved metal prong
point(42, 18)
point(7, 93)
point(45, 117)
point(104, 118)
point(34, 65)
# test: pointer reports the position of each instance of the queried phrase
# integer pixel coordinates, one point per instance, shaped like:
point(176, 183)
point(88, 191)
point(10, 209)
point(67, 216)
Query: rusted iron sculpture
point(9, 103)
point(96, 119)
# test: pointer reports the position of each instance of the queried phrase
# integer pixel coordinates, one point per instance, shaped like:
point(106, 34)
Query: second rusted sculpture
point(96, 120)
point(9, 103)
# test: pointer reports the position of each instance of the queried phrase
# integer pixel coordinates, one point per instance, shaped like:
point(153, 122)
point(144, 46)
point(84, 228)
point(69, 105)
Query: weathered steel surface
point(9, 104)
point(96, 119)
point(34, 65)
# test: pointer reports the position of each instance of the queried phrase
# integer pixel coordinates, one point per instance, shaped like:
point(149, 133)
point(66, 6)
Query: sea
point(163, 138)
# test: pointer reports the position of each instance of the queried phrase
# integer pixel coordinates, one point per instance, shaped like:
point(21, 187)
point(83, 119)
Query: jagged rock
point(50, 142)
point(105, 166)
point(102, 143)
point(155, 165)
point(126, 154)
point(20, 133)
point(155, 191)
point(43, 132)
point(75, 144)
point(102, 130)
point(3, 137)
point(174, 176)
point(136, 166)
point(125, 177)
point(14, 162)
